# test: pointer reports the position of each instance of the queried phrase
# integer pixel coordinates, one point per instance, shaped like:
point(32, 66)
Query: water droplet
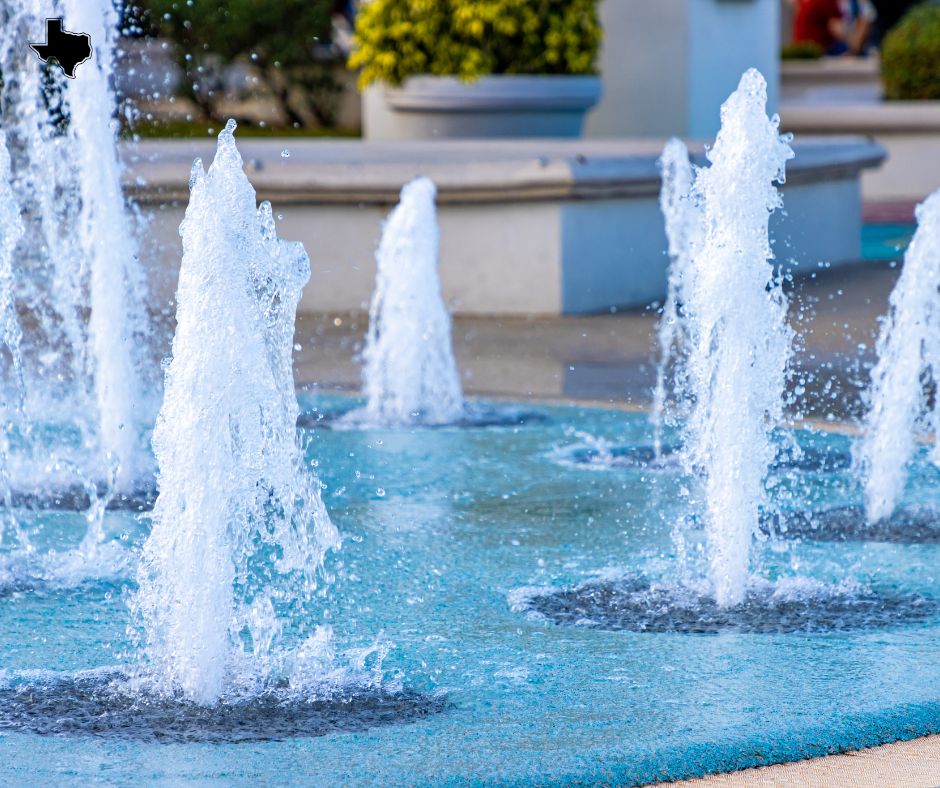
point(380, 491)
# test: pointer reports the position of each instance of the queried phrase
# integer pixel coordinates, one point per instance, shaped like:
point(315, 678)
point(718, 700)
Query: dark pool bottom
point(633, 604)
point(808, 459)
point(475, 417)
point(99, 705)
point(911, 525)
point(76, 498)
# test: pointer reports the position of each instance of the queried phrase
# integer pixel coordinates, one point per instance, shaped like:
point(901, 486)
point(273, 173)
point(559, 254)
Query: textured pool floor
point(441, 527)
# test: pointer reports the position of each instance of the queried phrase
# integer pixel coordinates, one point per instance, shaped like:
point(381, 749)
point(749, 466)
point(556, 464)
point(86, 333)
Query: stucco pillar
point(668, 65)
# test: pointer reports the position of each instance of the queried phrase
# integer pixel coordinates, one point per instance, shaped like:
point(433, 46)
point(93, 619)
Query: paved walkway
point(909, 764)
point(611, 357)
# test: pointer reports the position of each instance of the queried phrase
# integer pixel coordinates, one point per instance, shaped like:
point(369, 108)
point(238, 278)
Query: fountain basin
point(443, 529)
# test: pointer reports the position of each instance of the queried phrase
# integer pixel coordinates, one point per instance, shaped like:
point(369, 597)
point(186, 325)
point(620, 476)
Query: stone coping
point(466, 171)
point(832, 70)
point(885, 117)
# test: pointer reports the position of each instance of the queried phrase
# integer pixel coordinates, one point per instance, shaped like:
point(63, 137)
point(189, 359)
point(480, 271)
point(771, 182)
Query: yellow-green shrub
point(396, 39)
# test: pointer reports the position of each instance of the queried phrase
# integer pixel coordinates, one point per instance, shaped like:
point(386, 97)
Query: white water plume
point(11, 230)
point(108, 245)
point(409, 372)
point(228, 575)
point(908, 361)
point(683, 221)
point(79, 287)
point(737, 366)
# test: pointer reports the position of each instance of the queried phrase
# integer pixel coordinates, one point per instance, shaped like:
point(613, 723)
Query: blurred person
point(860, 17)
point(821, 22)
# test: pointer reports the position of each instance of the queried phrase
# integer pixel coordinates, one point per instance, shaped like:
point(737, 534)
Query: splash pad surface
point(447, 531)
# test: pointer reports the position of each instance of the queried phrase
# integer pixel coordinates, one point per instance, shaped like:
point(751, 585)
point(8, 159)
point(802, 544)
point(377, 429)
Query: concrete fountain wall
point(527, 227)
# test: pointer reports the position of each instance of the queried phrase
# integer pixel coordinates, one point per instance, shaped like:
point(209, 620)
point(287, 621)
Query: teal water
point(440, 527)
point(886, 241)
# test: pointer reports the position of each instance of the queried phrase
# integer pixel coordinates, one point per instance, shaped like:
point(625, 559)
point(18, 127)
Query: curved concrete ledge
point(541, 227)
point(829, 70)
point(909, 131)
point(478, 171)
point(892, 117)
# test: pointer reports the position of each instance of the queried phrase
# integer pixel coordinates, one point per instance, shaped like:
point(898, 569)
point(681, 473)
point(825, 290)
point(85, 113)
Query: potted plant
point(477, 68)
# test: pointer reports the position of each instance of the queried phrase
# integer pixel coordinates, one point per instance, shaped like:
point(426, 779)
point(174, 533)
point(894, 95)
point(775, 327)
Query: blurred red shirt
point(813, 20)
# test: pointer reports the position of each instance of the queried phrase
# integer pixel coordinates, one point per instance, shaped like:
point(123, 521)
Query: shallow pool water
point(443, 529)
point(885, 241)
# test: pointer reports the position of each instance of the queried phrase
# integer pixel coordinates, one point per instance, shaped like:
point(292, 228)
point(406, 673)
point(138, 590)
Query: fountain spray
point(683, 220)
point(230, 569)
point(409, 374)
point(79, 284)
point(738, 363)
point(908, 359)
point(11, 230)
point(108, 246)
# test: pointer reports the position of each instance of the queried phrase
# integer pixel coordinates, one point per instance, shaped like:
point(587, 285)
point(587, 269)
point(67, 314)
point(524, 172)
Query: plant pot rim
point(496, 92)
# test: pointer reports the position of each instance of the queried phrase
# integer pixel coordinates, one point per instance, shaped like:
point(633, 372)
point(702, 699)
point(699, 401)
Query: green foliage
point(284, 39)
point(396, 39)
point(802, 50)
point(910, 55)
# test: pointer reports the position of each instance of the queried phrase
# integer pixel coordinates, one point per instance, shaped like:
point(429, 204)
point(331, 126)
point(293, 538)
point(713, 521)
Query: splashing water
point(78, 284)
point(11, 230)
point(738, 364)
point(409, 375)
point(908, 359)
point(229, 572)
point(683, 219)
point(108, 246)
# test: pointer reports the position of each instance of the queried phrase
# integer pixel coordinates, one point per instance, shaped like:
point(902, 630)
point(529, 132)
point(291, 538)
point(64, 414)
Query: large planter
point(492, 107)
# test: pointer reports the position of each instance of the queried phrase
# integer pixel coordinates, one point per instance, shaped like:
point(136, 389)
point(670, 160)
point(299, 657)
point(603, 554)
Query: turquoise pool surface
point(885, 241)
point(442, 527)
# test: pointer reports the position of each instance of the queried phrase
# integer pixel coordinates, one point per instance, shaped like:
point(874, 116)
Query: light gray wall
point(548, 257)
point(606, 261)
point(643, 66)
point(668, 65)
point(727, 37)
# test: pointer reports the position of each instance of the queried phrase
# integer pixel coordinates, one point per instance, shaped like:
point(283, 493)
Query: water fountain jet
point(908, 360)
point(239, 529)
point(79, 284)
point(737, 367)
point(116, 318)
point(14, 393)
point(683, 221)
point(409, 374)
